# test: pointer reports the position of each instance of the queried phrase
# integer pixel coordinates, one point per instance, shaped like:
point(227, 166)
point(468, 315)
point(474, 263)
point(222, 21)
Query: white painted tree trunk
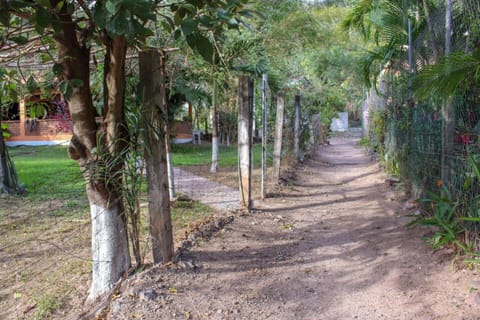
point(214, 166)
point(213, 115)
point(263, 186)
point(110, 256)
point(277, 145)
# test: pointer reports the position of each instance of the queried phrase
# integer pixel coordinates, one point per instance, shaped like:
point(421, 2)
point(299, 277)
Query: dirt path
point(332, 245)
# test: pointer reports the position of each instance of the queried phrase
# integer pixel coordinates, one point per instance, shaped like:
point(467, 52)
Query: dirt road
point(331, 245)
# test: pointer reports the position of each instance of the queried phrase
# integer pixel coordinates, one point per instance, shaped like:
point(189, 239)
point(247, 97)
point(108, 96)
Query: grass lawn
point(47, 172)
point(188, 155)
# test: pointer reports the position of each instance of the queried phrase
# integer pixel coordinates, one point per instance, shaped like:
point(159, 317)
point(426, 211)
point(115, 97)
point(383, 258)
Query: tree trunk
point(431, 32)
point(264, 136)
point(277, 147)
point(316, 130)
point(4, 181)
point(245, 113)
point(448, 109)
point(213, 115)
point(152, 91)
point(171, 173)
point(8, 176)
point(296, 129)
point(411, 61)
point(101, 163)
point(110, 256)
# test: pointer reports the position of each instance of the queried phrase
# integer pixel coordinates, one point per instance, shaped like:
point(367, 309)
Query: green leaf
point(470, 219)
point(177, 34)
point(188, 26)
point(44, 57)
point(121, 23)
point(43, 18)
point(140, 31)
point(177, 19)
point(3, 130)
point(113, 6)
point(166, 26)
point(59, 6)
point(57, 69)
point(100, 14)
point(190, 8)
point(31, 85)
point(141, 9)
point(202, 45)
point(206, 21)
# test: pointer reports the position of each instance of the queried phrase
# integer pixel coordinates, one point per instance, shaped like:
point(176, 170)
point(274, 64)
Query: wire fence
point(192, 182)
point(411, 147)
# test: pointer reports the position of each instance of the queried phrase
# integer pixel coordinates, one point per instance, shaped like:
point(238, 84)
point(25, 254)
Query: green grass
point(193, 154)
point(47, 304)
point(184, 212)
point(189, 154)
point(48, 173)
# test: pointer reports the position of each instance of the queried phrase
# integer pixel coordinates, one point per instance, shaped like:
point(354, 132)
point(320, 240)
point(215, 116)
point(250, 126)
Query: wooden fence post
point(245, 123)
point(152, 90)
point(316, 130)
point(296, 129)
point(264, 136)
point(277, 146)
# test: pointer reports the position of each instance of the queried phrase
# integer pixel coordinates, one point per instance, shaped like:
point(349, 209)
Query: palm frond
point(445, 78)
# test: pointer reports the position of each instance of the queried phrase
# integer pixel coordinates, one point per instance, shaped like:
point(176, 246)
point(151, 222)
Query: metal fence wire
point(412, 146)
